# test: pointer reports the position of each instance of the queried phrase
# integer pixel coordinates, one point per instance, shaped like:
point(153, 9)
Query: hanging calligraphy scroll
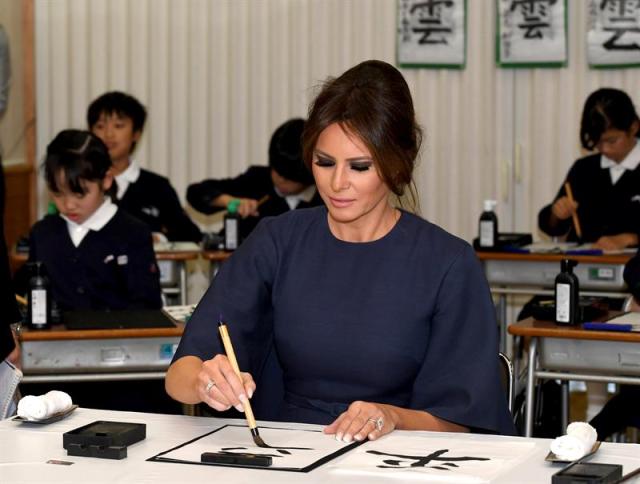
point(613, 33)
point(432, 33)
point(532, 33)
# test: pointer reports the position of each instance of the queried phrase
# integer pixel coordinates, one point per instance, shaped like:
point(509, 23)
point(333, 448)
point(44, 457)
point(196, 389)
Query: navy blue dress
point(405, 320)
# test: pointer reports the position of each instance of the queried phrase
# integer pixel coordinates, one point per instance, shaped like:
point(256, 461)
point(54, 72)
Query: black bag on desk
point(506, 241)
point(543, 308)
point(590, 308)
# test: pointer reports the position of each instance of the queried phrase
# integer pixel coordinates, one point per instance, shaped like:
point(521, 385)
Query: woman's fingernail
point(347, 438)
point(239, 408)
point(250, 393)
point(358, 437)
point(339, 436)
point(242, 397)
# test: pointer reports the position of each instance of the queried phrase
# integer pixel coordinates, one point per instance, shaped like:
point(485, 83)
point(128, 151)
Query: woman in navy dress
point(359, 314)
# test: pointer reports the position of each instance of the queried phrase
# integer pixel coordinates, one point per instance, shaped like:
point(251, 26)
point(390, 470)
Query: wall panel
point(219, 75)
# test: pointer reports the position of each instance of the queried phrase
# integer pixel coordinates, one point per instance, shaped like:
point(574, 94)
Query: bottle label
point(231, 234)
point(563, 303)
point(486, 234)
point(39, 307)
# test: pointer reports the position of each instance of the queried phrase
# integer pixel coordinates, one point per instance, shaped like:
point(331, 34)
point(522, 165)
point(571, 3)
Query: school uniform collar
point(293, 200)
point(96, 221)
point(616, 170)
point(127, 177)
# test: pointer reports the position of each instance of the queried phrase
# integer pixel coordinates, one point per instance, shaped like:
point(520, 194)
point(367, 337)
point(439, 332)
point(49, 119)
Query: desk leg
point(183, 282)
point(533, 358)
point(564, 385)
point(501, 310)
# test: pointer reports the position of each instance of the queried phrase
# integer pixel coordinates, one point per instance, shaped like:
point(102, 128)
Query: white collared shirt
point(96, 221)
point(128, 176)
point(616, 170)
point(293, 200)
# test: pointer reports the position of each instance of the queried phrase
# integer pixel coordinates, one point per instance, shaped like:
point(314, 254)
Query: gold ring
point(378, 422)
point(209, 386)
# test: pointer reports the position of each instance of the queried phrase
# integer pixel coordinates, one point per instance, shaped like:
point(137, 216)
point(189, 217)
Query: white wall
point(219, 75)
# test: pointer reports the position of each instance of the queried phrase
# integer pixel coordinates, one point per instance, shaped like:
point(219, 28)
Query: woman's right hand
point(219, 387)
point(563, 208)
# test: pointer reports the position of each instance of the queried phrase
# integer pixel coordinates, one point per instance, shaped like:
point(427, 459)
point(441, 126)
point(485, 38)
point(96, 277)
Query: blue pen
point(608, 327)
point(584, 252)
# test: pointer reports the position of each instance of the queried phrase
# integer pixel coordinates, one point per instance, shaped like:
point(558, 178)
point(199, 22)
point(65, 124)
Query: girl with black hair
point(606, 184)
point(95, 255)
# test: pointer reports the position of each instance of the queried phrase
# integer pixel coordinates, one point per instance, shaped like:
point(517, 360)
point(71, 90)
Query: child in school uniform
point(606, 198)
point(95, 255)
point(118, 120)
point(263, 191)
point(605, 184)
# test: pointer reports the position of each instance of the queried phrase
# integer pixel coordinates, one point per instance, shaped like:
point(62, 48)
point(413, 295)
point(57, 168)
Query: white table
point(24, 450)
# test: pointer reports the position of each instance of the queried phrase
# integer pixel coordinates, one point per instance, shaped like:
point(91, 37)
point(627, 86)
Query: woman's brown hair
point(372, 101)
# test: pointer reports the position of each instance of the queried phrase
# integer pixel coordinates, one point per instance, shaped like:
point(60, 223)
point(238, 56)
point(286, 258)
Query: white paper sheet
point(292, 449)
point(433, 459)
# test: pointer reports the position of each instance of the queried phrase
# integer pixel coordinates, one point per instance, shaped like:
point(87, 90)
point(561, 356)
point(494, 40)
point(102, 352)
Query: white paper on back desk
point(433, 459)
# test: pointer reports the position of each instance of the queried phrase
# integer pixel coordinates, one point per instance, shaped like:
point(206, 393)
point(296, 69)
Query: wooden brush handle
point(231, 355)
point(574, 215)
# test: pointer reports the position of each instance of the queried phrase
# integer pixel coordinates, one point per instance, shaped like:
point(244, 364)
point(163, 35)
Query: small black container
point(39, 298)
point(566, 293)
point(488, 226)
point(232, 226)
point(103, 439)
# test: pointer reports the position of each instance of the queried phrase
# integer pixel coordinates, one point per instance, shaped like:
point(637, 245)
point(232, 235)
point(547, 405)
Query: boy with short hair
point(263, 191)
point(118, 119)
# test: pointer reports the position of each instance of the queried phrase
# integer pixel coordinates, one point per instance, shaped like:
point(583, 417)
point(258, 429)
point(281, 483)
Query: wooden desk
point(216, 257)
point(571, 353)
point(534, 274)
point(165, 259)
point(59, 354)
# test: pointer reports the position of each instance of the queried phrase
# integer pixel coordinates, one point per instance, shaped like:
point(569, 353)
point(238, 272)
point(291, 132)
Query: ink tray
point(103, 439)
point(53, 418)
point(551, 457)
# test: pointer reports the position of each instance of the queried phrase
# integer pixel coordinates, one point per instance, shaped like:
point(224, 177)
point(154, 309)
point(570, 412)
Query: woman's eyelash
point(360, 166)
point(324, 162)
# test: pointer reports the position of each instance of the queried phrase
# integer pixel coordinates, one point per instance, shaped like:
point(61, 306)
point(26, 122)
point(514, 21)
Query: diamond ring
point(378, 422)
point(209, 386)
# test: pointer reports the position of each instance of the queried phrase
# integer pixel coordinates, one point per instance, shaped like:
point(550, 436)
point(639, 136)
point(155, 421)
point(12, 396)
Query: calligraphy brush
point(576, 220)
point(263, 200)
point(248, 412)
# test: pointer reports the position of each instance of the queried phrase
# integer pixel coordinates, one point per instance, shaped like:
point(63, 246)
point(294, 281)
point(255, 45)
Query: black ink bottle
point(231, 226)
point(488, 226)
point(39, 299)
point(567, 288)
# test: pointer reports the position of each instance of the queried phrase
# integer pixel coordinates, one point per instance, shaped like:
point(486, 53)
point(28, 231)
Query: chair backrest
point(10, 377)
point(507, 378)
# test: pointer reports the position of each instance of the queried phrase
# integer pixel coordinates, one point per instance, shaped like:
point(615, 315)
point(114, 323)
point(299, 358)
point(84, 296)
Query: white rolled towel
point(576, 443)
point(43, 406)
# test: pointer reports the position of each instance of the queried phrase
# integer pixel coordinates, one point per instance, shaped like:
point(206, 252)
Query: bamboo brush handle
point(574, 215)
point(231, 355)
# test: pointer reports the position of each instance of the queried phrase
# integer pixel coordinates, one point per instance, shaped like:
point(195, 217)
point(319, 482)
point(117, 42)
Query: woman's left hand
point(363, 420)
